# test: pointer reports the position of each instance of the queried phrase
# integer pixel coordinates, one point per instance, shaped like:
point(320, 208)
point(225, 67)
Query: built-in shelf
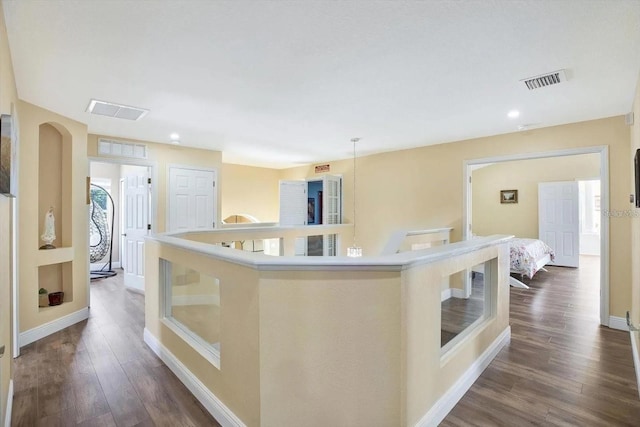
point(56, 277)
point(54, 256)
point(55, 266)
point(50, 307)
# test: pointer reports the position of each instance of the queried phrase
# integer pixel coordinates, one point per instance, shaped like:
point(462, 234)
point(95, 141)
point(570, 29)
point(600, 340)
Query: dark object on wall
point(7, 156)
point(637, 170)
point(56, 298)
point(311, 210)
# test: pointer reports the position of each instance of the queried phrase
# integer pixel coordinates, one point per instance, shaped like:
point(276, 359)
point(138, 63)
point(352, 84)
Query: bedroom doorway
point(503, 214)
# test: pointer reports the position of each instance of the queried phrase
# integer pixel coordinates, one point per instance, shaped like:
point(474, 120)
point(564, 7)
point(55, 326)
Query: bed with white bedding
point(528, 256)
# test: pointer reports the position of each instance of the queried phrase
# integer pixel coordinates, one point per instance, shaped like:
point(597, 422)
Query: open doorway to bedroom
point(528, 214)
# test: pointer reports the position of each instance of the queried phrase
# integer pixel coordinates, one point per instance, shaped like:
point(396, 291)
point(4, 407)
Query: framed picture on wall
point(508, 196)
point(311, 210)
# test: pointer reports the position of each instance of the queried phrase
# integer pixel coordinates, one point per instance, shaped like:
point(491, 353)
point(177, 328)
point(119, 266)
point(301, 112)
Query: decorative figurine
point(49, 234)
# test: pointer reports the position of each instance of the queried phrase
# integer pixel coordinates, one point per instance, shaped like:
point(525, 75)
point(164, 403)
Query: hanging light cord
point(354, 140)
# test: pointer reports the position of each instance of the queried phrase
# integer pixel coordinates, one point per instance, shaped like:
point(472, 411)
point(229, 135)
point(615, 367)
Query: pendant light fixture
point(355, 250)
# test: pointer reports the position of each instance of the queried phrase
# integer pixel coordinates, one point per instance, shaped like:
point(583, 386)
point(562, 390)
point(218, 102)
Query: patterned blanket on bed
point(525, 253)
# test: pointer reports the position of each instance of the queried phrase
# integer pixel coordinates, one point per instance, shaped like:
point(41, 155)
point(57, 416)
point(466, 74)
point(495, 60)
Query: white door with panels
point(192, 199)
point(559, 220)
point(331, 210)
point(293, 210)
point(136, 227)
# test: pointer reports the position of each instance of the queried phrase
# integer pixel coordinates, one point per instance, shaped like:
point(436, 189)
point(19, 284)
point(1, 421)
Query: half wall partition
point(315, 341)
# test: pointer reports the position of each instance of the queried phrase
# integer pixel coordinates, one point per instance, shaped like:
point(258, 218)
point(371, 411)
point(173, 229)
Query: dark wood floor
point(100, 373)
point(561, 368)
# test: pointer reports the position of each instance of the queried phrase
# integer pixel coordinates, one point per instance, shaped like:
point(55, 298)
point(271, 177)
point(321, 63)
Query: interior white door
point(123, 220)
point(293, 210)
point(191, 199)
point(136, 227)
point(331, 210)
point(559, 221)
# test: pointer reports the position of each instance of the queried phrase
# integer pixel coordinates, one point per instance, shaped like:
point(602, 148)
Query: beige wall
point(422, 187)
point(8, 93)
point(111, 172)
point(162, 156)
point(250, 190)
point(8, 98)
point(521, 219)
point(72, 243)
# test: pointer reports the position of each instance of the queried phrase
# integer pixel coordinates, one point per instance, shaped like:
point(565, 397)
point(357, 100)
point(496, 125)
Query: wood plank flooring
point(561, 368)
point(100, 373)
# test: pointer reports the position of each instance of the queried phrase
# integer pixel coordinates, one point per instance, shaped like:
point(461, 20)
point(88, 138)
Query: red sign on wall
point(322, 168)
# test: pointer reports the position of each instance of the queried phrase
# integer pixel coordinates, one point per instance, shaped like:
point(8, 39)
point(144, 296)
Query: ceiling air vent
point(118, 111)
point(545, 80)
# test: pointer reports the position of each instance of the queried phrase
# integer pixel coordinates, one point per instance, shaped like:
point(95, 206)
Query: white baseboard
point(49, 328)
point(636, 358)
point(451, 292)
point(195, 300)
point(9, 407)
point(618, 323)
point(446, 403)
point(216, 408)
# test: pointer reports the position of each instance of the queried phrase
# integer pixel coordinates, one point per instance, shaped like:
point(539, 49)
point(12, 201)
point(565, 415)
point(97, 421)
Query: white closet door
point(293, 209)
point(191, 199)
point(331, 210)
point(558, 220)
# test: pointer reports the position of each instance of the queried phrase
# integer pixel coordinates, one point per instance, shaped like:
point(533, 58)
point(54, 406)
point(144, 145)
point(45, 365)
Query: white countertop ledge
point(392, 262)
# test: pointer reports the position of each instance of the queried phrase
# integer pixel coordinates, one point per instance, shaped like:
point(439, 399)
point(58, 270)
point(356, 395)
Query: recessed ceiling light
point(175, 138)
point(513, 114)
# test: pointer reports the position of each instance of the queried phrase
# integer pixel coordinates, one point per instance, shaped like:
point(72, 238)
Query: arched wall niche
point(55, 168)
point(54, 180)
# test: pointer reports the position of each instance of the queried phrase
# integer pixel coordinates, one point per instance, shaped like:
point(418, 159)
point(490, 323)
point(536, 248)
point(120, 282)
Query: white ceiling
point(278, 83)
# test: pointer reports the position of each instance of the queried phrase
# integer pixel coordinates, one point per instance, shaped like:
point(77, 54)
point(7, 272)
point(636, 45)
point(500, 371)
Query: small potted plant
point(43, 298)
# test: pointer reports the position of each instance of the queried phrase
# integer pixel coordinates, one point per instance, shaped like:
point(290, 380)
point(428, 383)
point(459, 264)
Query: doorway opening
point(131, 216)
point(521, 219)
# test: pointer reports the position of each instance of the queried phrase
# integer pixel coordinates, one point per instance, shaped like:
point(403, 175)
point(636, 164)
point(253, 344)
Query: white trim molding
point(452, 292)
point(618, 323)
point(636, 357)
point(9, 406)
point(603, 151)
point(216, 408)
point(33, 335)
point(446, 403)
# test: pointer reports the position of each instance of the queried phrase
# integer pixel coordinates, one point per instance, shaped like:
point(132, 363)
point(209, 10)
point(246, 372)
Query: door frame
point(216, 191)
point(153, 203)
point(603, 150)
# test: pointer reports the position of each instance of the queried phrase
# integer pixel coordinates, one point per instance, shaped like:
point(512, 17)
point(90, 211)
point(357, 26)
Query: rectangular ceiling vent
point(117, 111)
point(545, 80)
